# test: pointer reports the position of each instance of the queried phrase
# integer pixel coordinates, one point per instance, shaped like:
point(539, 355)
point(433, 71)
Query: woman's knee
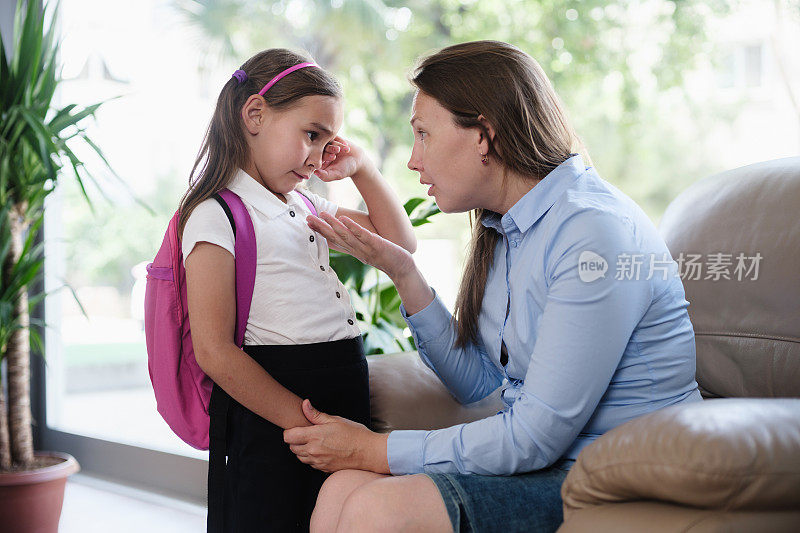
point(332, 495)
point(365, 509)
point(394, 504)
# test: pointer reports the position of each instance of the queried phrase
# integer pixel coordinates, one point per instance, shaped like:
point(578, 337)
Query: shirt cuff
point(429, 323)
point(405, 451)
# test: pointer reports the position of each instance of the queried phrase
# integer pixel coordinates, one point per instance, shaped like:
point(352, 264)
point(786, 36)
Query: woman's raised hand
point(348, 236)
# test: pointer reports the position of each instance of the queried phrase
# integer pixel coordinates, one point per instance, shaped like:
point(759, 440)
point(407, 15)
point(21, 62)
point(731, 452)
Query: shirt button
point(322, 268)
point(291, 213)
point(350, 321)
point(311, 238)
point(338, 295)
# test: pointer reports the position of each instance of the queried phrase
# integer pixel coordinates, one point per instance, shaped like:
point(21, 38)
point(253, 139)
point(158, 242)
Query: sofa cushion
point(406, 394)
point(723, 453)
point(653, 517)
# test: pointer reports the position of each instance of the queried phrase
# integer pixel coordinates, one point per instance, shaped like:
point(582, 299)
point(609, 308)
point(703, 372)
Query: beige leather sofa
point(730, 463)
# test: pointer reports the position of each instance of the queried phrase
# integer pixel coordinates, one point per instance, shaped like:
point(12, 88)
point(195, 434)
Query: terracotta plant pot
point(31, 500)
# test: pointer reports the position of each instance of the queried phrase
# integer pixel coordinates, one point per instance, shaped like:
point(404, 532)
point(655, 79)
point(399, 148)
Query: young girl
point(275, 125)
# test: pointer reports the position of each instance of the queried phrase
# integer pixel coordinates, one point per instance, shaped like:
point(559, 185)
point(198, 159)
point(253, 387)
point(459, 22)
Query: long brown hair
point(224, 148)
point(532, 136)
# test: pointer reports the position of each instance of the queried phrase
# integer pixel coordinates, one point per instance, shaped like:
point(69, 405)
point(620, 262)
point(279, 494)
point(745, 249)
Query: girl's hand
point(334, 443)
point(340, 160)
point(345, 235)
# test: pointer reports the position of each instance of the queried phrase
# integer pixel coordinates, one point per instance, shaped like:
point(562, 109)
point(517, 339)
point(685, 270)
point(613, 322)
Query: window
point(742, 66)
point(168, 72)
point(98, 384)
point(753, 59)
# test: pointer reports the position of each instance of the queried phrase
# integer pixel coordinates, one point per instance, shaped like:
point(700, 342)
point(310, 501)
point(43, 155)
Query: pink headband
point(286, 72)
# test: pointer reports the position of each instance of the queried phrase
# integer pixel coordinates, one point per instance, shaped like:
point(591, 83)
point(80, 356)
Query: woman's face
point(448, 157)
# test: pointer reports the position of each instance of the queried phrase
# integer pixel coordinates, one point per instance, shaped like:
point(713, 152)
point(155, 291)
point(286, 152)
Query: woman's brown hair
point(532, 136)
point(224, 148)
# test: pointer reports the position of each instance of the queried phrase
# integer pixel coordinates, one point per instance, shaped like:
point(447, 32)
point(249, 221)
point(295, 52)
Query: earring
point(485, 159)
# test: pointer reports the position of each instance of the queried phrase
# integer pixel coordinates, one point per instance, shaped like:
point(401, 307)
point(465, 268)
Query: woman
point(569, 299)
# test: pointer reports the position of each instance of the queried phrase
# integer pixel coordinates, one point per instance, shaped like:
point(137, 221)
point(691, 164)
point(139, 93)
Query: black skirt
point(262, 486)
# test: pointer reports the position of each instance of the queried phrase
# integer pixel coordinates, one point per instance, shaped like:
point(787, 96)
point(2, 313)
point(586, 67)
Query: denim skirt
point(529, 502)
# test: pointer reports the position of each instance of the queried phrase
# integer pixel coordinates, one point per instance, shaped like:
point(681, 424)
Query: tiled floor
point(92, 505)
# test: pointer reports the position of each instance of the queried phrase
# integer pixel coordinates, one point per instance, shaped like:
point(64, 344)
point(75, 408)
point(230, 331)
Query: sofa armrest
point(716, 454)
point(406, 394)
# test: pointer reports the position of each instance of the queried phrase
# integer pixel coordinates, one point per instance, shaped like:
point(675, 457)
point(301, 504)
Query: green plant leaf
point(423, 214)
point(62, 121)
point(412, 204)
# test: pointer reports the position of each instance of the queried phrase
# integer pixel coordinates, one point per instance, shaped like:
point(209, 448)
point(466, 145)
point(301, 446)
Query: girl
point(546, 308)
point(275, 124)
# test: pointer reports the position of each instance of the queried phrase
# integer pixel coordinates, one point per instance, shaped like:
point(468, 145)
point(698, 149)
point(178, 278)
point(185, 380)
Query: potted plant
point(36, 141)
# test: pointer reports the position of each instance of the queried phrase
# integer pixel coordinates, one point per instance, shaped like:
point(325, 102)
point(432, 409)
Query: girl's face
point(286, 146)
point(448, 157)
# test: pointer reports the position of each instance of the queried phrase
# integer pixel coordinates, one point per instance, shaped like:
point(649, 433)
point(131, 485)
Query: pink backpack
point(182, 389)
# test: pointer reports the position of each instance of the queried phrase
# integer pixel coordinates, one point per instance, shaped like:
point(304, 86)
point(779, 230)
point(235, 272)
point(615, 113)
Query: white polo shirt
point(297, 298)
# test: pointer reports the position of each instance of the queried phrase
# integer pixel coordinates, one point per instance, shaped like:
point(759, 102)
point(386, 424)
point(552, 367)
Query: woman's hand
point(347, 236)
point(341, 160)
point(334, 443)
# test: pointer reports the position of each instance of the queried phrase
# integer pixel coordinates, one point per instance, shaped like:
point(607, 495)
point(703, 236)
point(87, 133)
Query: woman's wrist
point(405, 276)
point(414, 290)
point(375, 457)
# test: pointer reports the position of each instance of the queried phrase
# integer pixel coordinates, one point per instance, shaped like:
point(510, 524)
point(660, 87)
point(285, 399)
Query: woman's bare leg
point(332, 495)
point(402, 503)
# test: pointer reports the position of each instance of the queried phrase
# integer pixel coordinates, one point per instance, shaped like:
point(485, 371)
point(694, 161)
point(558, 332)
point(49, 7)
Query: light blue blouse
point(597, 333)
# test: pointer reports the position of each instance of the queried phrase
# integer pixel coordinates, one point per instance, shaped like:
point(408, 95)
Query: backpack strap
point(308, 203)
point(228, 214)
point(245, 261)
point(245, 252)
